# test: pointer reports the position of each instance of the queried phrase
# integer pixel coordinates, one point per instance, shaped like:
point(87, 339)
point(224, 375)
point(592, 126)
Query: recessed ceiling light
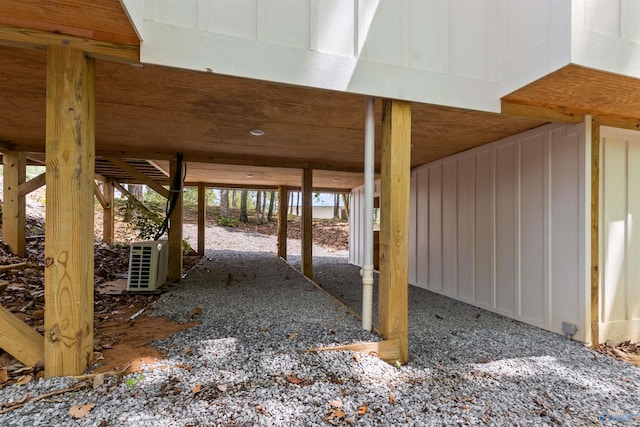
point(256, 132)
point(249, 175)
point(336, 180)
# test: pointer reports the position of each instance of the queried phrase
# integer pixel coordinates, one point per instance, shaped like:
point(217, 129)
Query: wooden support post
point(20, 340)
point(595, 232)
point(394, 223)
point(14, 223)
point(307, 222)
point(282, 221)
point(70, 158)
point(108, 212)
point(175, 232)
point(202, 217)
point(33, 184)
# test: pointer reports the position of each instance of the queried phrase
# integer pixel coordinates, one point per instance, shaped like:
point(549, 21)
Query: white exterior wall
point(464, 53)
point(620, 235)
point(606, 35)
point(503, 227)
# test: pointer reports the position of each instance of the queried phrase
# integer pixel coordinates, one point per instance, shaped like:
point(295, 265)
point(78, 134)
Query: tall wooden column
point(13, 206)
point(202, 218)
point(595, 232)
point(175, 232)
point(108, 213)
point(282, 221)
point(70, 158)
point(307, 223)
point(394, 223)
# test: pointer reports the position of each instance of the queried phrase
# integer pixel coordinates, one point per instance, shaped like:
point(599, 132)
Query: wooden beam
point(345, 201)
point(387, 350)
point(394, 223)
point(126, 167)
point(283, 197)
point(595, 233)
point(33, 184)
point(175, 232)
point(550, 113)
point(70, 158)
point(306, 223)
point(131, 198)
point(108, 213)
point(98, 193)
point(22, 37)
point(202, 217)
point(20, 340)
point(14, 219)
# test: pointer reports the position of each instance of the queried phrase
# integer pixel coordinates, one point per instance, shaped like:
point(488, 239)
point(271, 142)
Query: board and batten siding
point(449, 52)
point(620, 235)
point(502, 227)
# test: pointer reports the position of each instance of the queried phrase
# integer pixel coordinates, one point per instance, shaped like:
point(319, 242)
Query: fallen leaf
point(541, 403)
point(356, 357)
point(483, 360)
point(362, 409)
point(264, 328)
point(336, 416)
point(25, 379)
point(197, 311)
point(335, 403)
point(477, 315)
point(392, 399)
point(292, 335)
point(81, 411)
point(222, 387)
point(187, 351)
point(293, 379)
point(196, 388)
point(260, 409)
point(98, 380)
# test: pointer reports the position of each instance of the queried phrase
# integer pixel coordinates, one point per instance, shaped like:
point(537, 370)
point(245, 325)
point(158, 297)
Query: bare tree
point(336, 206)
point(234, 202)
point(271, 202)
point(298, 203)
point(243, 206)
point(259, 206)
point(224, 203)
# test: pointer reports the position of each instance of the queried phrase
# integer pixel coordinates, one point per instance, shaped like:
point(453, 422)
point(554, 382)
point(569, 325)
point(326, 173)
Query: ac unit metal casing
point(147, 265)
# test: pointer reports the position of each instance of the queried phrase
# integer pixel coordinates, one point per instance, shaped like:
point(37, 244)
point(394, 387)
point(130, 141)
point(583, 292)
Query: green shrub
point(227, 222)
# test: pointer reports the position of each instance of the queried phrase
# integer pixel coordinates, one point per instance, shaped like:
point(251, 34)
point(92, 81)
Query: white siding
point(502, 227)
point(606, 35)
point(463, 53)
point(620, 270)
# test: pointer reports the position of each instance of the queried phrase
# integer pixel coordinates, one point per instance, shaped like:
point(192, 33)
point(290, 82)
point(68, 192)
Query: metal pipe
point(367, 269)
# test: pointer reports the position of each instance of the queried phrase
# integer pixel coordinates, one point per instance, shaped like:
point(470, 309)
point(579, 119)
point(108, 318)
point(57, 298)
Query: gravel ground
point(246, 363)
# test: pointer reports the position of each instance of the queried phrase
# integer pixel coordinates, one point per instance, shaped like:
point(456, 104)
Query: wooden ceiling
point(152, 112)
point(572, 91)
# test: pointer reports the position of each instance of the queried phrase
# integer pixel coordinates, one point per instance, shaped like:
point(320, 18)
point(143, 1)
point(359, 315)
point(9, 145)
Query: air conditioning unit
point(147, 265)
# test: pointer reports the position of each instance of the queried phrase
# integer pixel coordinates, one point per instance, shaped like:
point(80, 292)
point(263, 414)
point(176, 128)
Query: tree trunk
point(259, 206)
point(224, 203)
point(243, 206)
point(298, 203)
point(272, 199)
point(336, 206)
point(234, 203)
point(290, 203)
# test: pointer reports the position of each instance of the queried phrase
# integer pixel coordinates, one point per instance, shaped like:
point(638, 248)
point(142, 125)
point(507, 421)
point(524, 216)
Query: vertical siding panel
point(237, 18)
point(633, 218)
point(564, 229)
point(435, 228)
point(506, 228)
point(332, 26)
point(484, 229)
point(467, 38)
point(412, 229)
point(287, 22)
point(615, 212)
point(449, 225)
point(532, 232)
point(422, 227)
point(384, 38)
point(466, 227)
point(426, 34)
